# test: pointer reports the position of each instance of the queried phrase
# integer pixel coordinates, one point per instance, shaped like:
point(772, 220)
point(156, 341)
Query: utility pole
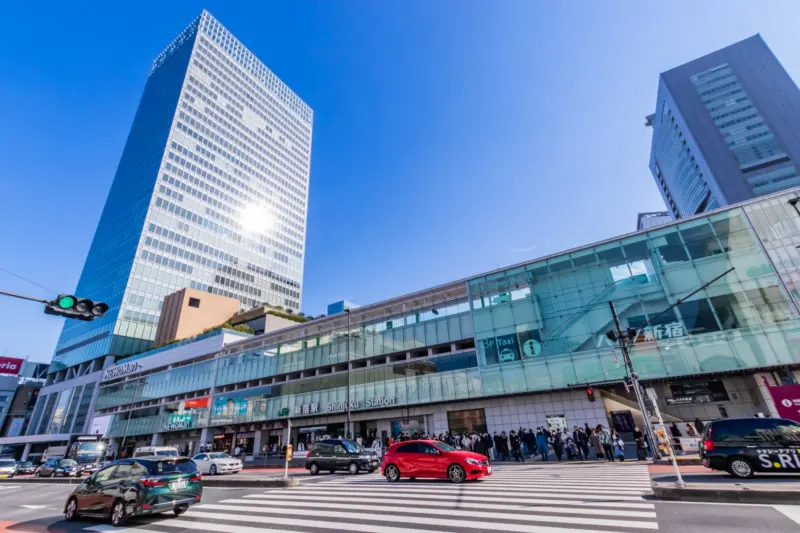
point(125, 434)
point(623, 338)
point(347, 432)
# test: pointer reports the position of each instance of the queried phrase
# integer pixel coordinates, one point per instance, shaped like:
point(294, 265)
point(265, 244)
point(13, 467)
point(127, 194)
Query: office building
point(510, 348)
point(652, 219)
point(210, 193)
point(340, 307)
point(726, 129)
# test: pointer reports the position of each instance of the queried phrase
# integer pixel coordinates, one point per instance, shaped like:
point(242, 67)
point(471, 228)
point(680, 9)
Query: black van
point(340, 454)
point(743, 446)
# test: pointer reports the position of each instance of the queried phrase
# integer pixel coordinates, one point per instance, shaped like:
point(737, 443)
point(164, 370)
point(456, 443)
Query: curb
point(243, 482)
point(743, 495)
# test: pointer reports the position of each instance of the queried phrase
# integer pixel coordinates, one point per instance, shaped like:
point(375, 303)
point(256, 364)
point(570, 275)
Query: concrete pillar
point(233, 445)
point(763, 381)
point(257, 442)
point(26, 451)
point(157, 440)
point(205, 438)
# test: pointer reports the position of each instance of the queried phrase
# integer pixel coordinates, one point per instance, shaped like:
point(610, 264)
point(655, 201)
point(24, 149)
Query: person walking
point(558, 445)
point(619, 446)
point(530, 440)
point(699, 426)
point(577, 438)
point(541, 445)
point(597, 445)
point(466, 443)
point(480, 445)
point(497, 452)
point(605, 440)
point(516, 444)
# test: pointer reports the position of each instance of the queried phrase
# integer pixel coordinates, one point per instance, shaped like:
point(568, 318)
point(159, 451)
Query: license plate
point(488, 469)
point(178, 485)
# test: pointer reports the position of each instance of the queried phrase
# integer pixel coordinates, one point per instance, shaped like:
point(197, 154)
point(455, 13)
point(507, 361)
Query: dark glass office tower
point(726, 129)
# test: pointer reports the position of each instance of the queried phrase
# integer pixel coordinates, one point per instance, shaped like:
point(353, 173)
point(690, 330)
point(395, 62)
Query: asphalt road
point(553, 499)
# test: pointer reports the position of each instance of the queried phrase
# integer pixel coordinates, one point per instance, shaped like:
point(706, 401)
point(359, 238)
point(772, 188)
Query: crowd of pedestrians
point(583, 443)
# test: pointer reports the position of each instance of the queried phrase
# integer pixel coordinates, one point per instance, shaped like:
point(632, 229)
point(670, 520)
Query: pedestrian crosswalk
point(602, 498)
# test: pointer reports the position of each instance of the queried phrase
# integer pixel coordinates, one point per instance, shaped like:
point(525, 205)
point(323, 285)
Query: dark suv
point(340, 454)
point(743, 446)
point(131, 487)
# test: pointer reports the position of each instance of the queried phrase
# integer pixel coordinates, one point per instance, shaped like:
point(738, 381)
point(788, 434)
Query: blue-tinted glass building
point(726, 129)
point(211, 192)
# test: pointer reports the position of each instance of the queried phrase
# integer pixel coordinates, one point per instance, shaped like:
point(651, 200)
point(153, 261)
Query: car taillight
point(151, 482)
point(197, 477)
point(708, 445)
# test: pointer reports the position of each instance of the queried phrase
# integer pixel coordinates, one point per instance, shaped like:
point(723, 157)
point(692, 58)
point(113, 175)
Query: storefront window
point(468, 421)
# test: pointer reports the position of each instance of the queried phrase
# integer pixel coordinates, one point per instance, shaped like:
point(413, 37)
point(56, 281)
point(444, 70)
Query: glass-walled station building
point(512, 348)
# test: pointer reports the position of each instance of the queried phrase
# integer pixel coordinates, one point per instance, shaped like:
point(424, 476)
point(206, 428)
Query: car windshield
point(178, 466)
point(26, 464)
point(445, 447)
point(67, 462)
point(5, 463)
point(167, 453)
point(219, 456)
point(351, 446)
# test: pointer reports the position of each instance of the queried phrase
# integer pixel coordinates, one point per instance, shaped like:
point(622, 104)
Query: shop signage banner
point(122, 370)
point(196, 403)
point(178, 421)
point(100, 425)
point(10, 365)
point(787, 401)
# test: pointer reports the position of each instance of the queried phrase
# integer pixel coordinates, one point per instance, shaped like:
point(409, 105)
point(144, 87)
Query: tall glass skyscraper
point(726, 129)
point(211, 192)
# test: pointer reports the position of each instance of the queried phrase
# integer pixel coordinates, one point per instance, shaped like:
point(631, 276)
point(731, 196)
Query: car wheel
point(740, 467)
point(313, 469)
point(180, 510)
point(352, 469)
point(117, 513)
point(71, 511)
point(392, 473)
point(456, 474)
point(213, 470)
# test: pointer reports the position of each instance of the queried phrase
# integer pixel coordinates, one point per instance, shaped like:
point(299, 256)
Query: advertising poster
point(229, 406)
point(787, 401)
point(10, 365)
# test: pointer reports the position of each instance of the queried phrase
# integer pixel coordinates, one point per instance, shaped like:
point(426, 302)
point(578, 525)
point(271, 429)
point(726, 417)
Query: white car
point(214, 463)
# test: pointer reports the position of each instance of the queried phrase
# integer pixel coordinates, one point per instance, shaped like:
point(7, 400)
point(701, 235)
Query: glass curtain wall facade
point(211, 192)
point(725, 129)
point(535, 327)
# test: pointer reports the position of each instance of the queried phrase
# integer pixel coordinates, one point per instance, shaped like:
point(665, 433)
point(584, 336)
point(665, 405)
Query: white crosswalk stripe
point(8, 487)
point(601, 498)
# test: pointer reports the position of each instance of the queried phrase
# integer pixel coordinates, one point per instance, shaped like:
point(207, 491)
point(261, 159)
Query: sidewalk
point(704, 485)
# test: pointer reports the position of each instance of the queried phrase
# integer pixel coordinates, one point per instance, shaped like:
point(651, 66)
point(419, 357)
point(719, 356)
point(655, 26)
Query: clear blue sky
point(450, 137)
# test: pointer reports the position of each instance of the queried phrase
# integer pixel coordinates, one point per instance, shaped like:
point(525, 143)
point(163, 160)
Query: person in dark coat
point(558, 445)
point(516, 447)
point(699, 426)
point(504, 446)
point(480, 446)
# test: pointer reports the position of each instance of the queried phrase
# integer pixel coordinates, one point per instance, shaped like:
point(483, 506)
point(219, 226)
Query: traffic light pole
point(23, 297)
point(622, 339)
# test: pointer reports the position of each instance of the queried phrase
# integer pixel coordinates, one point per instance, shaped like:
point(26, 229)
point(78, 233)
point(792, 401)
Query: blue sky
point(450, 137)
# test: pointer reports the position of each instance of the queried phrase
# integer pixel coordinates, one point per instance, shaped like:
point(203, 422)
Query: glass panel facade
point(743, 320)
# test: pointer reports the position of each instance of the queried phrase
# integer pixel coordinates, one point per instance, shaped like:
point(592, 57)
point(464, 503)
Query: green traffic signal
point(66, 302)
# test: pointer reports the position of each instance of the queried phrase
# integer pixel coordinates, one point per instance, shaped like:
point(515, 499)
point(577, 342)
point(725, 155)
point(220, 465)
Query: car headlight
point(471, 461)
point(364, 457)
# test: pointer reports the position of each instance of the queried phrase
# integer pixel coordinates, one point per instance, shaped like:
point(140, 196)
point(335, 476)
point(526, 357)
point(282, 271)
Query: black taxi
point(744, 446)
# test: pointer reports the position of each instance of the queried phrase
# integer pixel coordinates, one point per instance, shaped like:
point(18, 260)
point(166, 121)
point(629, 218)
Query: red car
point(431, 458)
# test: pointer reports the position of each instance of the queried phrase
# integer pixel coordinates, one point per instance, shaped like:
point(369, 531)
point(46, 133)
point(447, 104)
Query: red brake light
point(197, 477)
point(708, 445)
point(151, 482)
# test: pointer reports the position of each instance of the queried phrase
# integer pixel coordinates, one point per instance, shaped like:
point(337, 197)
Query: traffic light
point(590, 394)
point(69, 306)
